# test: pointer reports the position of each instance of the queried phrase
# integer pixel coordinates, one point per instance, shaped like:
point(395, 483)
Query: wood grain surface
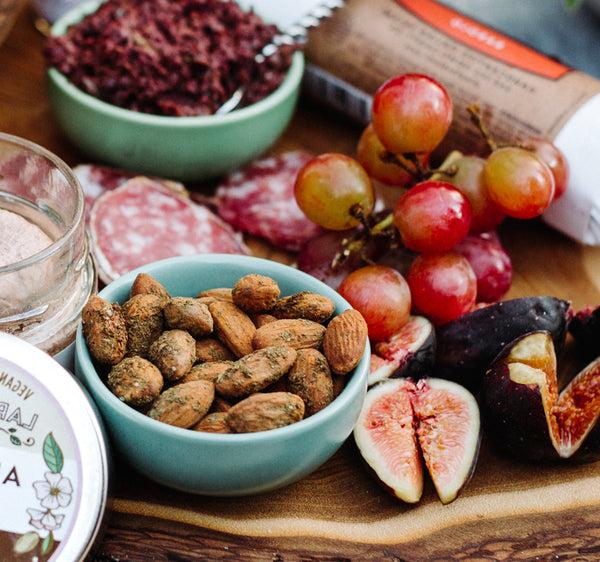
point(510, 511)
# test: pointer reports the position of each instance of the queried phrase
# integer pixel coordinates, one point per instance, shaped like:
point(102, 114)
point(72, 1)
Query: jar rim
point(71, 178)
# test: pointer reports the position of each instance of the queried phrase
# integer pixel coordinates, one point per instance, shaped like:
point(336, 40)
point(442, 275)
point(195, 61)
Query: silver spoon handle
point(297, 33)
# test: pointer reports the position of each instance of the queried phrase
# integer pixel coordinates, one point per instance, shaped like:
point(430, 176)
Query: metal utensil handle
point(297, 33)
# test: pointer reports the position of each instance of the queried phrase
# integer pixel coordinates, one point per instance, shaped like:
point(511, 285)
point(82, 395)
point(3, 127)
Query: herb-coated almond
point(345, 340)
point(207, 371)
point(261, 319)
point(298, 334)
point(255, 371)
point(184, 405)
point(210, 349)
point(255, 293)
point(309, 306)
point(104, 330)
point(145, 284)
point(174, 353)
point(144, 319)
point(135, 381)
point(310, 378)
point(261, 412)
point(233, 326)
point(213, 423)
point(184, 313)
point(220, 294)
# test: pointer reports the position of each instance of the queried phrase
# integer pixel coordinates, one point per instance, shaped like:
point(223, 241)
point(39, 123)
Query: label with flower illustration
point(40, 468)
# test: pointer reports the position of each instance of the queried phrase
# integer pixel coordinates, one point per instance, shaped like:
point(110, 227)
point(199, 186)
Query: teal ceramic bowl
point(183, 148)
point(214, 464)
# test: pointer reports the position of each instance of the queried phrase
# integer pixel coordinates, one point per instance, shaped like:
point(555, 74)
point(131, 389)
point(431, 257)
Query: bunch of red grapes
point(446, 216)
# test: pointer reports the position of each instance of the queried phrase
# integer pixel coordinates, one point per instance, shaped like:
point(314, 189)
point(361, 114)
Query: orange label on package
point(484, 39)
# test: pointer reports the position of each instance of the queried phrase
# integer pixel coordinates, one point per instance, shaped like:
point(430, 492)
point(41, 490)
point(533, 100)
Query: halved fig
point(437, 417)
point(467, 346)
point(526, 416)
point(449, 432)
point(408, 353)
point(386, 438)
point(585, 329)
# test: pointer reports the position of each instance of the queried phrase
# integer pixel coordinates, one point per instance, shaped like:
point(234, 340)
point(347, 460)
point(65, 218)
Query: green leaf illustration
point(53, 456)
point(48, 544)
point(26, 543)
point(15, 440)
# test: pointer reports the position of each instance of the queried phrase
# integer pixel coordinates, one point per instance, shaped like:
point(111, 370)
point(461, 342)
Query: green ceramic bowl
point(213, 464)
point(183, 148)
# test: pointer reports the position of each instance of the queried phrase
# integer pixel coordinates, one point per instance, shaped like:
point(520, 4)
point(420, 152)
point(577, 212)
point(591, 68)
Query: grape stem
point(475, 114)
point(417, 171)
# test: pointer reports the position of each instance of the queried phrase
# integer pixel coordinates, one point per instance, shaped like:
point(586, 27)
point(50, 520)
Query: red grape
point(381, 295)
point(316, 255)
point(491, 264)
point(329, 187)
point(411, 113)
point(468, 179)
point(551, 155)
point(369, 152)
point(518, 182)
point(432, 217)
point(443, 286)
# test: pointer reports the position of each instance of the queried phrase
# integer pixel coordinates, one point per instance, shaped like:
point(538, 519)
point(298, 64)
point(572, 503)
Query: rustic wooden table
point(510, 511)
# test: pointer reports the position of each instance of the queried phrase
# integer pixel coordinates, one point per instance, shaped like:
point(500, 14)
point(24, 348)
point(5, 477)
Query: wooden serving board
point(509, 511)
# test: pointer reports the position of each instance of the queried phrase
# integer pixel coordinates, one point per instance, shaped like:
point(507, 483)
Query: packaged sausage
point(521, 92)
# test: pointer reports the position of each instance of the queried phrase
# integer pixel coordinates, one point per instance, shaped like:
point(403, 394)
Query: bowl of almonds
point(223, 375)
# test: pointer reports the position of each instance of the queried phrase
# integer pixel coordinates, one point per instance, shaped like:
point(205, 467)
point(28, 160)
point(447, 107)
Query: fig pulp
point(467, 346)
point(401, 420)
point(525, 414)
point(408, 353)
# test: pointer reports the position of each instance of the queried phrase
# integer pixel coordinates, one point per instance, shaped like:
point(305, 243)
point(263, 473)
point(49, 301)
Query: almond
point(261, 412)
point(219, 405)
point(174, 353)
point(255, 293)
point(310, 378)
point(213, 423)
point(184, 405)
point(135, 381)
point(184, 313)
point(210, 349)
point(298, 334)
point(233, 326)
point(339, 383)
point(219, 294)
point(345, 340)
point(144, 319)
point(104, 330)
point(145, 284)
point(309, 306)
point(207, 371)
point(255, 371)
point(261, 319)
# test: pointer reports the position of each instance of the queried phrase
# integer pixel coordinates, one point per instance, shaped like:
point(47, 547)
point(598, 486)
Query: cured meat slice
point(260, 200)
point(96, 180)
point(143, 221)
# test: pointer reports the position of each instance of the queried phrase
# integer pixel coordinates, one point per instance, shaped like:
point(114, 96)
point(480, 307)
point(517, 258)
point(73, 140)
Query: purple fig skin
point(514, 416)
point(467, 346)
point(585, 329)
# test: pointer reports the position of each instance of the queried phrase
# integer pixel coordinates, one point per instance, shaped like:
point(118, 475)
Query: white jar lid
point(53, 459)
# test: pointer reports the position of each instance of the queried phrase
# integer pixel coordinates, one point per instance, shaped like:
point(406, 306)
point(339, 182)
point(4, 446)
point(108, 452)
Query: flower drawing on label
point(54, 493)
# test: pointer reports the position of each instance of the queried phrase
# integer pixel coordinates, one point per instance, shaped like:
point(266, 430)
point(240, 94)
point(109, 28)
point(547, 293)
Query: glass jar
point(42, 294)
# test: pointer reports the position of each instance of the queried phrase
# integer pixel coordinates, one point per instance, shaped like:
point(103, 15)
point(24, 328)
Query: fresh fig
point(527, 417)
point(408, 353)
point(400, 418)
point(386, 438)
point(585, 329)
point(467, 346)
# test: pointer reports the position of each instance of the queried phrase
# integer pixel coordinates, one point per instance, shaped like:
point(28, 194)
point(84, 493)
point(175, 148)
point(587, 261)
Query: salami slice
point(260, 200)
point(143, 221)
point(96, 180)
